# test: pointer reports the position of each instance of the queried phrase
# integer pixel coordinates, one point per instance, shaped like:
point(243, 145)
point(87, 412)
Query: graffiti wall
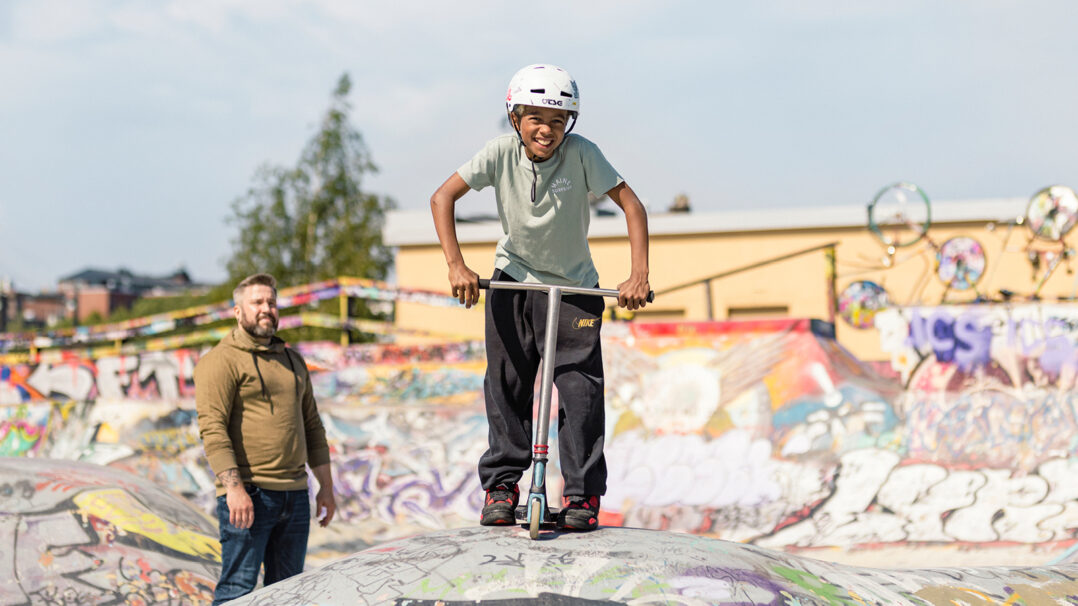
point(160, 375)
point(737, 430)
point(986, 386)
point(764, 432)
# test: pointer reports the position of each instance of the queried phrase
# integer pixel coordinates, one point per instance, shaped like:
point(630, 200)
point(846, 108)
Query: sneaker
point(501, 506)
point(579, 513)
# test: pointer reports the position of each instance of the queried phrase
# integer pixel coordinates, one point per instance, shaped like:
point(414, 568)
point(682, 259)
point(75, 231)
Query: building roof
point(125, 280)
point(416, 228)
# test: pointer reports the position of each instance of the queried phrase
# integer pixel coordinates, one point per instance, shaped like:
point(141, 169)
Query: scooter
point(537, 513)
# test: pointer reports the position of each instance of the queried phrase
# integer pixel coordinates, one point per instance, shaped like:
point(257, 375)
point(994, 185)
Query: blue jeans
point(278, 539)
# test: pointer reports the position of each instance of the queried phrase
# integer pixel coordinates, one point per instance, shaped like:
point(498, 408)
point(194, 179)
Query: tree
point(314, 221)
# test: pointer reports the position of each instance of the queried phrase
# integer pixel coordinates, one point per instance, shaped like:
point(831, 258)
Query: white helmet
point(543, 86)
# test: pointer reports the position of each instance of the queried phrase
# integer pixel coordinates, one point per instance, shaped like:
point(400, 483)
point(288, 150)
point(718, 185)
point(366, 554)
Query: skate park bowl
point(634, 566)
point(79, 533)
point(956, 453)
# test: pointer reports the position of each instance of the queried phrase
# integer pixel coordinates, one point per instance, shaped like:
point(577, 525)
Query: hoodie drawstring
point(261, 381)
point(291, 367)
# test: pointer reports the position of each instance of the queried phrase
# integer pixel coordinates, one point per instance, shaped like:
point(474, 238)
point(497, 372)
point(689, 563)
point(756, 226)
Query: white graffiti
point(681, 395)
point(657, 471)
point(159, 375)
point(877, 501)
point(71, 381)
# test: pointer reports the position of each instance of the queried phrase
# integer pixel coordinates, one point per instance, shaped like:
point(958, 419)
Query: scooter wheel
point(535, 516)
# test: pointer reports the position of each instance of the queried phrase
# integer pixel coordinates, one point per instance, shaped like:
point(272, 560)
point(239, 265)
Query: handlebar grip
point(651, 296)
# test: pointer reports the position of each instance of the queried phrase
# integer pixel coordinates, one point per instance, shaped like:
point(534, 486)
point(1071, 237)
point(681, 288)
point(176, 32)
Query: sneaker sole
point(497, 519)
point(579, 528)
point(569, 525)
point(496, 522)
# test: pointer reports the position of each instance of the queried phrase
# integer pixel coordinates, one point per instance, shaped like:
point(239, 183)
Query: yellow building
point(776, 259)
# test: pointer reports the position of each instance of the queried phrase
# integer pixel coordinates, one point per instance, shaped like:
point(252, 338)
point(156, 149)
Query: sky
point(127, 128)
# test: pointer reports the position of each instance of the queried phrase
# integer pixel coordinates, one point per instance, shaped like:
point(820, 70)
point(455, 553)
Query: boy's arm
point(633, 293)
point(464, 281)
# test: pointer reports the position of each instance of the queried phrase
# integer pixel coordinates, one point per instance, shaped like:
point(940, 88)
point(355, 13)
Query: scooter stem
point(550, 345)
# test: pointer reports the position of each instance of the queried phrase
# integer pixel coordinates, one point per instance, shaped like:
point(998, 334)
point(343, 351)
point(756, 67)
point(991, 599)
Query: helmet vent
point(538, 90)
point(565, 94)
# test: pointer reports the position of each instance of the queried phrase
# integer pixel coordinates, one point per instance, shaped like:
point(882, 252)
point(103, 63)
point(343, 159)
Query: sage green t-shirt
point(545, 241)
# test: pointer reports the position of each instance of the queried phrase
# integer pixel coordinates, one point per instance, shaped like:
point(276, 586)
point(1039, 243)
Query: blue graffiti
point(965, 340)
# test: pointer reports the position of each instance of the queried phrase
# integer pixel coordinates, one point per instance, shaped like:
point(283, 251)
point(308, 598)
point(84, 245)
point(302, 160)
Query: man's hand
point(241, 511)
point(465, 283)
point(633, 293)
point(325, 505)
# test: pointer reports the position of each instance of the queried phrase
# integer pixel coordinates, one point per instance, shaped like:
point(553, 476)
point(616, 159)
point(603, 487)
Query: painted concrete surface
point(765, 432)
point(635, 566)
point(75, 533)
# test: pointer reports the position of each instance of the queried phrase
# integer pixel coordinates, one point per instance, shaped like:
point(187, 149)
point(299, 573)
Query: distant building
point(31, 311)
point(754, 262)
point(102, 292)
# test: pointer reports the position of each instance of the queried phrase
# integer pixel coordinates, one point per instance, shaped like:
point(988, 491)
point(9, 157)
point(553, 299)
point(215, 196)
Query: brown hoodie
point(256, 412)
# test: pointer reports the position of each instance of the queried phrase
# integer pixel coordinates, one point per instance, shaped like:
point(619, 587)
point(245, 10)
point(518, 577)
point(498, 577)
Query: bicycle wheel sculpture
point(1052, 212)
point(900, 215)
point(960, 262)
point(860, 301)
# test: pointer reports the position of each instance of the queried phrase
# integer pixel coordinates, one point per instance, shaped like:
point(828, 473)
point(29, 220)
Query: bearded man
point(260, 427)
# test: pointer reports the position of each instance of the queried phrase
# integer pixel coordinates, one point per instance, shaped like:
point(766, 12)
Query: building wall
point(91, 300)
point(796, 287)
point(43, 310)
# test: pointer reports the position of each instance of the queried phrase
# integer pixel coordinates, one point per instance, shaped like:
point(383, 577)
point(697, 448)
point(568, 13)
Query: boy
point(541, 177)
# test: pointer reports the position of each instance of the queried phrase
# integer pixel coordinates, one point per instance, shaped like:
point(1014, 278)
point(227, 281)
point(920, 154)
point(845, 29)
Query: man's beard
point(258, 330)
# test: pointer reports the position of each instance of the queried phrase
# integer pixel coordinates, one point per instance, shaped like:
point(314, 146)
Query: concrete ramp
point(78, 533)
point(634, 566)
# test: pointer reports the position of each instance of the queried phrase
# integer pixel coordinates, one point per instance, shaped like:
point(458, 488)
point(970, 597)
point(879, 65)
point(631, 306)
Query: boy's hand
point(465, 283)
point(633, 293)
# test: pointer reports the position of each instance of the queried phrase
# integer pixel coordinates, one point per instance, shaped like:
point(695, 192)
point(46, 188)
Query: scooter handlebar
point(571, 290)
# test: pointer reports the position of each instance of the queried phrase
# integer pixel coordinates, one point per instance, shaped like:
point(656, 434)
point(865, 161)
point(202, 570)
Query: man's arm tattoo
point(230, 477)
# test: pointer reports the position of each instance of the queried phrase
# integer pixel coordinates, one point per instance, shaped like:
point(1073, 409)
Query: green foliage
point(314, 221)
point(148, 306)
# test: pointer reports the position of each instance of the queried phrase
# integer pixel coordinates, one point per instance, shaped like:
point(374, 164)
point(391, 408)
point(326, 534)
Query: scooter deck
point(550, 517)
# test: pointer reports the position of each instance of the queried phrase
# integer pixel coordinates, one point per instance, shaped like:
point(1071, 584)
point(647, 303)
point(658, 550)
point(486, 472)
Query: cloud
point(47, 22)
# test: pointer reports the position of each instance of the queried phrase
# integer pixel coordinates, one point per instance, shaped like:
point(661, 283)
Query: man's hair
point(252, 280)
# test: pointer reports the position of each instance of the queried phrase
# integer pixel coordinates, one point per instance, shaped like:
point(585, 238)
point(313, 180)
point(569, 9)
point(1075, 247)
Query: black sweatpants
point(515, 329)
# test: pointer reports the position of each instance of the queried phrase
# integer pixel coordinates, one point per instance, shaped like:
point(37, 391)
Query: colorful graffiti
point(986, 385)
point(76, 533)
point(157, 376)
point(764, 432)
